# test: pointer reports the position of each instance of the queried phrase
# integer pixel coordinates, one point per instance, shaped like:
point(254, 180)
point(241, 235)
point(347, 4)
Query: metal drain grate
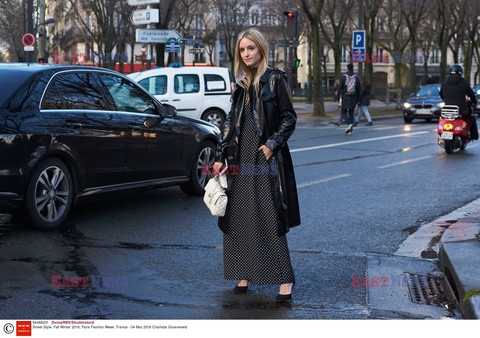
point(426, 290)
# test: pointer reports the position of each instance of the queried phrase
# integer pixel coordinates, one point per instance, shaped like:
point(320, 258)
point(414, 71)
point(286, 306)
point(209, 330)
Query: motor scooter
point(453, 129)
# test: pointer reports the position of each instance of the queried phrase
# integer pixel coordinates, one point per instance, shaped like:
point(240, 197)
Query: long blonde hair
point(243, 74)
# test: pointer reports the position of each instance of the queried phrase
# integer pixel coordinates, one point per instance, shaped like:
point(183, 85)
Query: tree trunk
point(318, 105)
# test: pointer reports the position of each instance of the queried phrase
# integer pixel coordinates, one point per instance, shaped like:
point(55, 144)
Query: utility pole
point(42, 32)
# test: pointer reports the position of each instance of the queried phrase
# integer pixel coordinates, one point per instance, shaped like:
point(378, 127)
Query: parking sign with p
point(358, 39)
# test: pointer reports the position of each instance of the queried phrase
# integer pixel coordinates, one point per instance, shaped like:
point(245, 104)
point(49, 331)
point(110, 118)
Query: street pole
point(29, 22)
point(42, 41)
point(360, 26)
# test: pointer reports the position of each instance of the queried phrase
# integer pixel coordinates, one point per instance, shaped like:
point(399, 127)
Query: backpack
point(350, 83)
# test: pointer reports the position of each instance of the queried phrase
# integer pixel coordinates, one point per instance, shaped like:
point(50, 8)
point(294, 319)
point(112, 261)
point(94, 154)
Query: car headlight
point(440, 105)
point(407, 105)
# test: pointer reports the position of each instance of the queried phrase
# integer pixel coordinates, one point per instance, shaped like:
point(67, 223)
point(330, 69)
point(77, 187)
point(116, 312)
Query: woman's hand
point(266, 150)
point(217, 168)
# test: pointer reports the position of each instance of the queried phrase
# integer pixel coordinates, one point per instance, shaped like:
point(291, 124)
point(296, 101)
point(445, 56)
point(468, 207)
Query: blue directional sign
point(172, 46)
point(358, 39)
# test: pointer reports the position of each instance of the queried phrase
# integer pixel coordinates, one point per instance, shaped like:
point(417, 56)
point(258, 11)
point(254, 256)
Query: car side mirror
point(169, 110)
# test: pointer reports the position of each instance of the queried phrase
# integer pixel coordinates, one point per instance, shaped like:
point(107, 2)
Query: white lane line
point(404, 162)
point(323, 180)
point(331, 145)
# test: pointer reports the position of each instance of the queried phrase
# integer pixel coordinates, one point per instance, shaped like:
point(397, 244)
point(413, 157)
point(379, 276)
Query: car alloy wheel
point(215, 117)
point(50, 194)
point(202, 169)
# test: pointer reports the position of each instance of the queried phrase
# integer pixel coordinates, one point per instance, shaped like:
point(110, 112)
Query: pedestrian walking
point(262, 196)
point(338, 98)
point(364, 102)
point(350, 89)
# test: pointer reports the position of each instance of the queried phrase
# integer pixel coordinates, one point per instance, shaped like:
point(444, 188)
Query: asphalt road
point(158, 254)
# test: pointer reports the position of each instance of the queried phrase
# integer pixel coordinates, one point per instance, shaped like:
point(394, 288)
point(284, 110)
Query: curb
point(459, 258)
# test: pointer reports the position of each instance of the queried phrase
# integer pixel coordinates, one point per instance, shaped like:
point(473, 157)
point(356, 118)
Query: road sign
point(358, 39)
point(142, 2)
point(155, 35)
point(358, 55)
point(191, 42)
point(286, 43)
point(28, 39)
point(28, 48)
point(145, 16)
point(172, 46)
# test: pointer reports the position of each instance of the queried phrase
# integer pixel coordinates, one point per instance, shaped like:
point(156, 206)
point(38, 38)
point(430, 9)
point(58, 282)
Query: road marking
point(323, 180)
point(404, 162)
point(359, 141)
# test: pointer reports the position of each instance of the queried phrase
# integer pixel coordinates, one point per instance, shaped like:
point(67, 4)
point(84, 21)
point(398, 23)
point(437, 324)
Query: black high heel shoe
point(284, 298)
point(238, 290)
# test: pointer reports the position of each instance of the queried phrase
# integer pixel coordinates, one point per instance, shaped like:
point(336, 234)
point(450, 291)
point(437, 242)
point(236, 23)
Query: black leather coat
point(275, 121)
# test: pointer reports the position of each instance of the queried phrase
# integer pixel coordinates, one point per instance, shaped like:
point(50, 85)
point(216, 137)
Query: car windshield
point(476, 89)
point(10, 81)
point(429, 91)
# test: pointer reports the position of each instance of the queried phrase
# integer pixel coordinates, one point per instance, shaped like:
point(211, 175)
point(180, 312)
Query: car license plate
point(424, 112)
point(447, 135)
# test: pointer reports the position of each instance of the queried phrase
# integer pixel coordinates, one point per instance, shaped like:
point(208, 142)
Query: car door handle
point(73, 125)
point(176, 100)
point(134, 127)
point(163, 100)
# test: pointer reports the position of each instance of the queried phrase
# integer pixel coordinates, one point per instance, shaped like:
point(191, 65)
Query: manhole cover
point(426, 290)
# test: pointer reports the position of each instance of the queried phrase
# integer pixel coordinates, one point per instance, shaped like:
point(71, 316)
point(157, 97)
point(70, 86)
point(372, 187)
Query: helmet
point(456, 69)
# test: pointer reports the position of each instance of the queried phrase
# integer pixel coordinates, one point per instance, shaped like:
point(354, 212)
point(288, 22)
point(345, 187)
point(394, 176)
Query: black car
point(68, 132)
point(476, 90)
point(425, 104)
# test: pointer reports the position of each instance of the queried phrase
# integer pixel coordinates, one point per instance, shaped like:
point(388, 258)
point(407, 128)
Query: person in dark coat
point(262, 194)
point(454, 91)
point(350, 89)
point(364, 102)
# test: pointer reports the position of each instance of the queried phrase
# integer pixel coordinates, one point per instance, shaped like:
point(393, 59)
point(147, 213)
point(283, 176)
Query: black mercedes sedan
point(67, 132)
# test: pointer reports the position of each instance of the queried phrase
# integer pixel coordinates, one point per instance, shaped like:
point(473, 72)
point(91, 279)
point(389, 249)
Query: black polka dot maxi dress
point(252, 248)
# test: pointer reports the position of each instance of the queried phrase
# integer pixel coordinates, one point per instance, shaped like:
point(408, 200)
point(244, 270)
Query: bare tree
point(471, 34)
point(12, 27)
point(312, 10)
point(232, 18)
point(414, 11)
point(334, 20)
point(370, 14)
point(444, 23)
point(393, 38)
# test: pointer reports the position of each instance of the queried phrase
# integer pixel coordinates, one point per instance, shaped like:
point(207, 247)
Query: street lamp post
point(143, 50)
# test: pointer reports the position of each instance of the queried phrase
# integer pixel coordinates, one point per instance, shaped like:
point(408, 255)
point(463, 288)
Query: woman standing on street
point(363, 103)
point(262, 193)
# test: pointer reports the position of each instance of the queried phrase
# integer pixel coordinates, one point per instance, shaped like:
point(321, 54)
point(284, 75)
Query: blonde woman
point(262, 194)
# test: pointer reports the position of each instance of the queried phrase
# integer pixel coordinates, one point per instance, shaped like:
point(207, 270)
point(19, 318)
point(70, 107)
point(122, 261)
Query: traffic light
point(291, 29)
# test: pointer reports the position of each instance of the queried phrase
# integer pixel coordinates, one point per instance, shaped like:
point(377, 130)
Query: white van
point(200, 92)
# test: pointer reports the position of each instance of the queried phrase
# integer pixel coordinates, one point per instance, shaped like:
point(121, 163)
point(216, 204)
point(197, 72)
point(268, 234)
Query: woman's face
point(249, 52)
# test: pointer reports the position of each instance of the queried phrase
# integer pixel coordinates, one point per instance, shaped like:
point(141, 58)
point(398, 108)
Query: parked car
point(200, 92)
point(476, 90)
point(68, 132)
point(425, 104)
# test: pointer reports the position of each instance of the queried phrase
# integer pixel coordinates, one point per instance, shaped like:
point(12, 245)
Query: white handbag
point(215, 197)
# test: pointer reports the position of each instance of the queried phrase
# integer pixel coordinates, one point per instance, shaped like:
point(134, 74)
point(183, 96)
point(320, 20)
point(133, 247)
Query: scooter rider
point(454, 91)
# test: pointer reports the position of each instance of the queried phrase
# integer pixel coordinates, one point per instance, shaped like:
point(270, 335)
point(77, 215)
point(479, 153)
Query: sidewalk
point(459, 258)
point(378, 110)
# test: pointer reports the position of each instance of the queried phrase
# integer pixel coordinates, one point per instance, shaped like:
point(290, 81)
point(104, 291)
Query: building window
point(254, 17)
point(198, 25)
point(344, 56)
point(435, 56)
